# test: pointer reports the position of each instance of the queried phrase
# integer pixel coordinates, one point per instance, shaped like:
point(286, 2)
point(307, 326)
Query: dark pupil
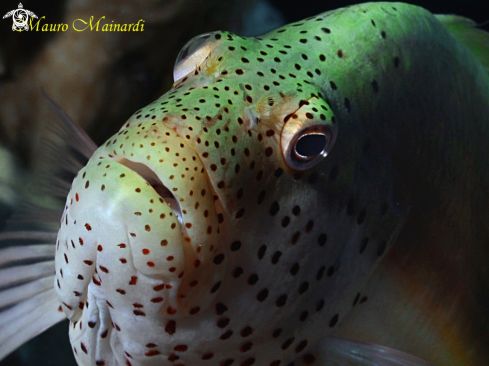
point(310, 145)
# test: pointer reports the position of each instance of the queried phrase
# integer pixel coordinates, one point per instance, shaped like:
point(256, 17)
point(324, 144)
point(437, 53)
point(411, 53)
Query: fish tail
point(464, 29)
point(28, 302)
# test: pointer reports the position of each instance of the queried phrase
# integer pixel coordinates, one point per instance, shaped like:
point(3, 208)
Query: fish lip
point(155, 182)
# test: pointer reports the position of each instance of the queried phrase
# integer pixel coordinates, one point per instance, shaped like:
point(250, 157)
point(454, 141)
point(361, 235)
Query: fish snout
point(139, 235)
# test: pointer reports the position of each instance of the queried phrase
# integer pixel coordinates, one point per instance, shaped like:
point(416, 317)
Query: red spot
point(99, 248)
point(137, 305)
point(121, 291)
point(151, 345)
point(123, 260)
point(152, 352)
point(159, 287)
point(157, 299)
point(108, 303)
point(196, 263)
point(66, 258)
point(68, 306)
point(122, 245)
point(80, 305)
point(80, 240)
point(181, 348)
point(88, 227)
point(172, 269)
point(145, 251)
point(134, 280)
point(96, 281)
point(100, 363)
point(171, 327)
point(170, 258)
point(151, 264)
point(104, 334)
point(103, 269)
point(77, 199)
point(169, 286)
point(88, 263)
point(139, 313)
point(173, 357)
point(84, 349)
point(92, 324)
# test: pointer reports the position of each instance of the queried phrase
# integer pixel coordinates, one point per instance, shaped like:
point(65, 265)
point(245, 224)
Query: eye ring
point(309, 146)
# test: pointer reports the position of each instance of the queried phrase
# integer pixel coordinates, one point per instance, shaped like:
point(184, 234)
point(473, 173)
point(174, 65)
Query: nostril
point(150, 176)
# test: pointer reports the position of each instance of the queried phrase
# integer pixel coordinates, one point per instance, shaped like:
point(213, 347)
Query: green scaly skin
point(276, 263)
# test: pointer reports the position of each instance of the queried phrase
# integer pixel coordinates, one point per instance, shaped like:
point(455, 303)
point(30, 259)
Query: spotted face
point(234, 220)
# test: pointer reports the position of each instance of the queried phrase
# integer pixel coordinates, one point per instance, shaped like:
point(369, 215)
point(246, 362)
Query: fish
point(312, 196)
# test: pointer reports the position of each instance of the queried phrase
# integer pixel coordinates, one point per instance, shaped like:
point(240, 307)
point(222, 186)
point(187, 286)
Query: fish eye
point(308, 134)
point(192, 55)
point(307, 147)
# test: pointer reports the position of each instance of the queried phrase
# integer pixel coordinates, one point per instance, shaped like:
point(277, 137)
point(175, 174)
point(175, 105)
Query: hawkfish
point(247, 215)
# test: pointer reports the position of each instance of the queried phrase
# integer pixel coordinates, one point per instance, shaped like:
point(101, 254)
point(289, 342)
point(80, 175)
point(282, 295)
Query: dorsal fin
point(464, 29)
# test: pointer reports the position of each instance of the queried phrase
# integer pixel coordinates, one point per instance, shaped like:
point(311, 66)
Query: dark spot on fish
point(320, 305)
point(375, 86)
point(276, 257)
point(333, 321)
point(236, 245)
point(396, 62)
point(295, 269)
point(262, 295)
point(357, 297)
point(237, 272)
point(274, 208)
point(322, 239)
point(330, 271)
point(216, 287)
point(295, 237)
point(303, 287)
point(363, 245)
point(287, 343)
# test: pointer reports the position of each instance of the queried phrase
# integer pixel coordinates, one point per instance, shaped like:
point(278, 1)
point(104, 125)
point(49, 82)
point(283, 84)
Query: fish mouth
point(154, 181)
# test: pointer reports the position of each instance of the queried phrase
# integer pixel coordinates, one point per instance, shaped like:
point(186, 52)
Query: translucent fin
point(477, 40)
point(343, 352)
point(28, 302)
point(28, 319)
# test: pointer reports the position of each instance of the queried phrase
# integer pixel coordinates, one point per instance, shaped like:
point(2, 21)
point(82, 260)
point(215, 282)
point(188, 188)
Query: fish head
point(236, 218)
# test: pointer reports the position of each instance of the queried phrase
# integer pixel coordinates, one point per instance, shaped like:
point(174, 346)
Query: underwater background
point(101, 78)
